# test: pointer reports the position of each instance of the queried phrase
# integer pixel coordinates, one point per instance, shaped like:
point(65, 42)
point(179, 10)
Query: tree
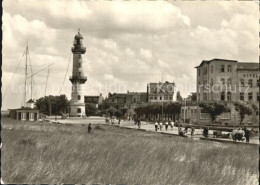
point(90, 109)
point(178, 96)
point(214, 109)
point(53, 104)
point(243, 109)
point(193, 96)
point(111, 111)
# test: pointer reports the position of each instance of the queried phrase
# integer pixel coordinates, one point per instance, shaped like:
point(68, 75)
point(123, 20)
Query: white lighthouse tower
point(77, 105)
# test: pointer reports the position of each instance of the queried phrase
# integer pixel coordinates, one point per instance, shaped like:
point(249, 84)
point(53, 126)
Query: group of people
point(159, 125)
point(182, 131)
point(239, 134)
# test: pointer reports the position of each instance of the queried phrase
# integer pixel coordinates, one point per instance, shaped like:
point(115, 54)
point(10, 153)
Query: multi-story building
point(159, 92)
point(224, 81)
point(95, 100)
point(227, 80)
point(129, 100)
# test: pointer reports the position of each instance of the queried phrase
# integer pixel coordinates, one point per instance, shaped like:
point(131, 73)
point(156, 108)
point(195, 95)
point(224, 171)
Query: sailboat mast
point(25, 80)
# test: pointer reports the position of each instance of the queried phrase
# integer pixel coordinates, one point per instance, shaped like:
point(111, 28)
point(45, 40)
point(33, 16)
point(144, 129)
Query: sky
point(128, 43)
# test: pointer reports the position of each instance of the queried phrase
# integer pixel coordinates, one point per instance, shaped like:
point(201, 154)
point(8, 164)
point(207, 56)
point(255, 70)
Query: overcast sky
point(128, 43)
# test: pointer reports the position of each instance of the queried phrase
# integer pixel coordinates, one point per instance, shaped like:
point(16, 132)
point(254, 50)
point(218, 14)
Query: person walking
point(166, 125)
point(172, 124)
point(234, 131)
point(192, 131)
point(156, 126)
point(89, 128)
point(161, 125)
point(139, 123)
point(247, 133)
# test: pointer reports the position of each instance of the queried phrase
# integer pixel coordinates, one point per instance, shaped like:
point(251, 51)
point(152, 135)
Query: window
point(211, 68)
point(258, 83)
point(160, 98)
point(229, 96)
point(242, 96)
point(191, 111)
point(250, 96)
point(151, 97)
point(222, 68)
point(223, 81)
point(78, 97)
point(205, 97)
point(79, 64)
point(258, 96)
point(229, 82)
point(222, 96)
point(250, 82)
point(155, 97)
point(229, 68)
point(79, 73)
point(79, 110)
point(242, 82)
point(225, 115)
point(205, 70)
point(211, 81)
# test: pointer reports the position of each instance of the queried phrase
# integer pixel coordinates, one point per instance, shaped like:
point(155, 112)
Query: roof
point(91, 96)
point(215, 59)
point(166, 82)
point(247, 66)
point(30, 101)
point(25, 108)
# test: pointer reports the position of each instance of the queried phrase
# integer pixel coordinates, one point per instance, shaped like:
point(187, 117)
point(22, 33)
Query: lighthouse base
point(77, 110)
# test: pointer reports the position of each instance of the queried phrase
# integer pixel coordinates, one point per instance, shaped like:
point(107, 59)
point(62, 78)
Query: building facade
point(160, 92)
point(95, 100)
point(227, 80)
point(129, 100)
point(224, 81)
point(27, 113)
point(77, 104)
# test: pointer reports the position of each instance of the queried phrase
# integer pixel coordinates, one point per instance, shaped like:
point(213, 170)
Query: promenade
point(147, 126)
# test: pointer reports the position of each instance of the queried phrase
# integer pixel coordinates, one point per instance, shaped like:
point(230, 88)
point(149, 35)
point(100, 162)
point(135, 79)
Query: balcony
point(78, 79)
point(78, 49)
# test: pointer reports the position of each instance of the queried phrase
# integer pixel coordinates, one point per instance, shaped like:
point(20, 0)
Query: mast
point(47, 80)
point(25, 80)
point(31, 73)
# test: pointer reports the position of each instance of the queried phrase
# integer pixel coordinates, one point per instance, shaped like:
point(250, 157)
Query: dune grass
point(47, 153)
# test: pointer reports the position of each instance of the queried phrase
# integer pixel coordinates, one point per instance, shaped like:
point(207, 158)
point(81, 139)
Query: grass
point(50, 153)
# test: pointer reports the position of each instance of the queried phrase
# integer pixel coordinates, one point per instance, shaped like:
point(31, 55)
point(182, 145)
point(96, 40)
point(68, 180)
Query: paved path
point(148, 127)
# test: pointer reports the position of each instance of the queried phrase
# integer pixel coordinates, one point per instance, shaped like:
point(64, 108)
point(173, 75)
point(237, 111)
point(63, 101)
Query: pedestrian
point(139, 123)
point(156, 126)
point(89, 128)
point(205, 132)
point(179, 130)
point(247, 133)
point(166, 125)
point(172, 124)
point(234, 131)
point(161, 125)
point(192, 131)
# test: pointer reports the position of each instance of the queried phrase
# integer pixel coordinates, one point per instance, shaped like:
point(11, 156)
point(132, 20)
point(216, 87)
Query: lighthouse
point(77, 105)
